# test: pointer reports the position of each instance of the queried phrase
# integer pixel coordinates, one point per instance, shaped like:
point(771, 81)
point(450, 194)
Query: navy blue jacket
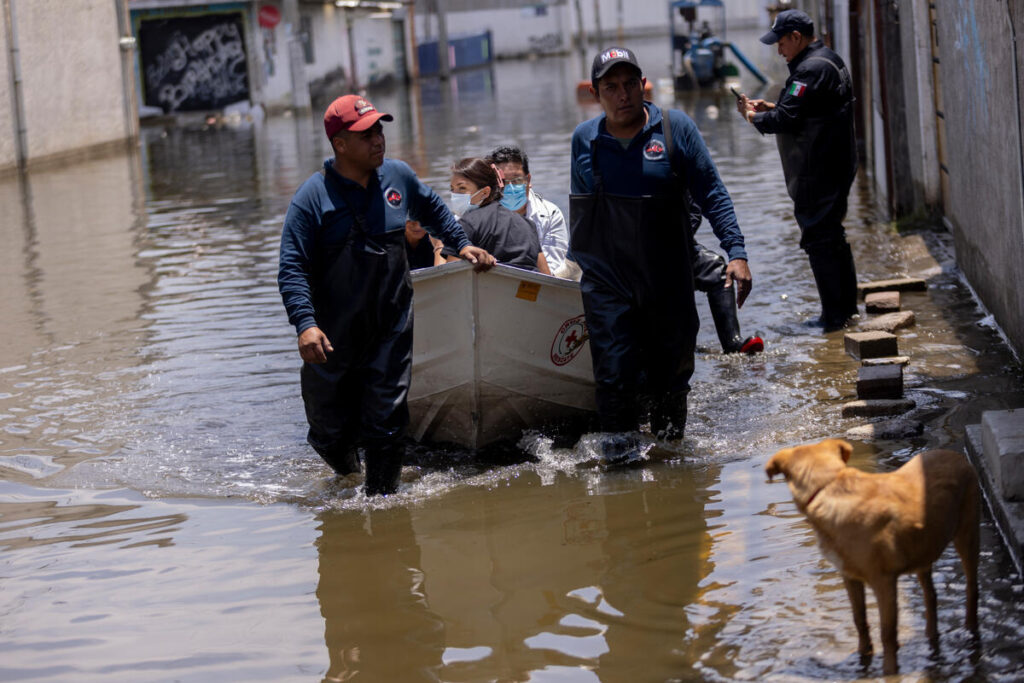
point(643, 169)
point(320, 216)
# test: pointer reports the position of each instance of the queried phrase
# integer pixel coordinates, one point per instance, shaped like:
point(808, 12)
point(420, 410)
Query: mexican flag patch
point(797, 89)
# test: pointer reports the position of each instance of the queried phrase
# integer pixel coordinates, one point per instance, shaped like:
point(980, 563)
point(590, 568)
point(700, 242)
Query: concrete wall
point(73, 91)
point(982, 90)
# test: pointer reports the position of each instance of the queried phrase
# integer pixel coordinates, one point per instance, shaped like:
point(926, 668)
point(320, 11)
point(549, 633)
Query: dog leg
point(885, 595)
point(855, 590)
point(967, 541)
point(924, 577)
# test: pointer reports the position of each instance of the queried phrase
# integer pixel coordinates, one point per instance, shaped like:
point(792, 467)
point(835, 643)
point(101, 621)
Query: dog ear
point(845, 450)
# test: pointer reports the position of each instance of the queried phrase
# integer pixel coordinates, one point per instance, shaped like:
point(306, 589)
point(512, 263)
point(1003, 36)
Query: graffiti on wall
point(193, 63)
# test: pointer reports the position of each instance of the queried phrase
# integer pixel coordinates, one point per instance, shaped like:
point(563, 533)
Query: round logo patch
point(569, 340)
point(393, 197)
point(654, 150)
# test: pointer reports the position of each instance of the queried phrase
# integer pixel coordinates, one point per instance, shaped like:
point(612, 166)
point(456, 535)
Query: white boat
point(496, 353)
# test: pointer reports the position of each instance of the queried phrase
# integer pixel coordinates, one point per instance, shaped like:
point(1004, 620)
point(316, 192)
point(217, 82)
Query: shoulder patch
point(797, 89)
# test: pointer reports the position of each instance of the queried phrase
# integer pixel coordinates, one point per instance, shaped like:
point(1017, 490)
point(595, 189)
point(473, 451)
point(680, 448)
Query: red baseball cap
point(351, 112)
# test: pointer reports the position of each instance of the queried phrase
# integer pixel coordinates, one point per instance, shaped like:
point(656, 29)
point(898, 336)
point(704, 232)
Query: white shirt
point(551, 229)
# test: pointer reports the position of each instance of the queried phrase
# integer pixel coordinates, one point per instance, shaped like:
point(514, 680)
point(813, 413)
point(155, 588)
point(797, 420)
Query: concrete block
point(905, 284)
point(888, 322)
point(1008, 516)
point(886, 360)
point(871, 344)
point(1002, 439)
point(882, 302)
point(880, 381)
point(900, 428)
point(878, 407)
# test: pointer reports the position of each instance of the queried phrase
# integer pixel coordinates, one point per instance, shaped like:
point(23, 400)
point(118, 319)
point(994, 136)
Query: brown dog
point(874, 527)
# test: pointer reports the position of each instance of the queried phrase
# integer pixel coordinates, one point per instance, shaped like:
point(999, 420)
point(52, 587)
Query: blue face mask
point(513, 197)
point(461, 203)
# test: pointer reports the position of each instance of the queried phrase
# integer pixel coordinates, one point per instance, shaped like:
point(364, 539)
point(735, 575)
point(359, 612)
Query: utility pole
point(443, 67)
point(296, 60)
point(581, 37)
point(353, 76)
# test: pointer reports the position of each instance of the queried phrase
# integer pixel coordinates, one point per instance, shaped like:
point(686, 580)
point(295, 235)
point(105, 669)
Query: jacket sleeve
point(706, 186)
point(555, 240)
point(295, 265)
point(581, 180)
point(791, 110)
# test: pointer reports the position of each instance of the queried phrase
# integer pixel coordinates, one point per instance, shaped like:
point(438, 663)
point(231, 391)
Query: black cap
point(609, 58)
point(788, 21)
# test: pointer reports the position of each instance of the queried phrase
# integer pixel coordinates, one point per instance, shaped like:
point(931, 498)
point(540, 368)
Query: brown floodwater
point(161, 517)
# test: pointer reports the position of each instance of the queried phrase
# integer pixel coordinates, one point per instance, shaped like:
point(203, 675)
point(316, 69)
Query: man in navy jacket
point(344, 280)
point(631, 235)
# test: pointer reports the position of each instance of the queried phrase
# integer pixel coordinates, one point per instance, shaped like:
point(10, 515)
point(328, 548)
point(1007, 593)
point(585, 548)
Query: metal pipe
point(14, 74)
point(444, 66)
point(353, 77)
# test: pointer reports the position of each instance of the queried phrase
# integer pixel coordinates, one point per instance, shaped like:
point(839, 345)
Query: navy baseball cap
point(609, 58)
point(786, 22)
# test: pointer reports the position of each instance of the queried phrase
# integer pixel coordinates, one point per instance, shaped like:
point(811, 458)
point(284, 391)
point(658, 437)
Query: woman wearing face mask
point(476, 199)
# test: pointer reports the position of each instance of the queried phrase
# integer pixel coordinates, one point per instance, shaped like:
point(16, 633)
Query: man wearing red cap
point(344, 279)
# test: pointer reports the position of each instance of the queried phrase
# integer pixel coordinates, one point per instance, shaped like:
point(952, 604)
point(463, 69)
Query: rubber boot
point(722, 301)
point(832, 270)
point(383, 468)
point(343, 460)
point(850, 295)
point(668, 417)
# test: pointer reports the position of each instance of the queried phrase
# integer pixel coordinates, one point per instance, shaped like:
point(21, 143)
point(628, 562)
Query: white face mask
point(460, 202)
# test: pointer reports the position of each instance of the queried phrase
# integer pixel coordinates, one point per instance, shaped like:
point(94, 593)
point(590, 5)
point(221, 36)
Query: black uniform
point(813, 126)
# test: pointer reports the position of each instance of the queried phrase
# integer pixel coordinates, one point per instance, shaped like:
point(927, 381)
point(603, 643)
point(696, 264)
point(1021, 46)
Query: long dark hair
point(482, 174)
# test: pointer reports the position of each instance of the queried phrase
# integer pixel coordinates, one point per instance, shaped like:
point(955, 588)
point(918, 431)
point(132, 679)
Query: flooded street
point(162, 518)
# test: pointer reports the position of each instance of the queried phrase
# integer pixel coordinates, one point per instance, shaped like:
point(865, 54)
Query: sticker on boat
point(569, 340)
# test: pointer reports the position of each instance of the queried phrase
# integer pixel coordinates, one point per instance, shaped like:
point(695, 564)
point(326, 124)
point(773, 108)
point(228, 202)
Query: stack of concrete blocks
point(880, 376)
point(996, 447)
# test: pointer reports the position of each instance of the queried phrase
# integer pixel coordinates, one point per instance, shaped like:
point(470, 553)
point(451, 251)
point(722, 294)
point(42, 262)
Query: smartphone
point(733, 90)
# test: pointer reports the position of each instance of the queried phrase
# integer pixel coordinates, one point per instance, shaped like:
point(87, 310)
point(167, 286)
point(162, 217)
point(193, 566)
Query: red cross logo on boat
point(569, 340)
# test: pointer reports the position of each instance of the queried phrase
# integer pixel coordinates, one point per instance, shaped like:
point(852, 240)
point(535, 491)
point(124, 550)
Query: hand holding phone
point(734, 92)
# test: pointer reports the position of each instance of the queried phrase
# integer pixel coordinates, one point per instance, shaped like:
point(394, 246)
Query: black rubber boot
point(383, 468)
point(342, 460)
point(833, 272)
point(668, 417)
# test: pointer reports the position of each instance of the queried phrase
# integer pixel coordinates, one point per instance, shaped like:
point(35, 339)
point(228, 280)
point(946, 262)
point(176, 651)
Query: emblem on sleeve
point(393, 197)
point(797, 89)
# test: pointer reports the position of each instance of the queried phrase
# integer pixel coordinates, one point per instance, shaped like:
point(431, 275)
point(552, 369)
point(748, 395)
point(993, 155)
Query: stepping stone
point(880, 381)
point(882, 302)
point(900, 428)
point(877, 407)
point(871, 344)
point(887, 360)
point(906, 284)
point(889, 322)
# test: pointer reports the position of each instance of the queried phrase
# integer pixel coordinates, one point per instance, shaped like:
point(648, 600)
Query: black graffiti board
point(193, 63)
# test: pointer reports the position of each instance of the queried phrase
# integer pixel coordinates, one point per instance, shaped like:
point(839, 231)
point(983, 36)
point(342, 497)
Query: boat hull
point(496, 353)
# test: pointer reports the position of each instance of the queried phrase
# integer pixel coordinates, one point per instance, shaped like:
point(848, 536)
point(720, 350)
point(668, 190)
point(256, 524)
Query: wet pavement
point(162, 519)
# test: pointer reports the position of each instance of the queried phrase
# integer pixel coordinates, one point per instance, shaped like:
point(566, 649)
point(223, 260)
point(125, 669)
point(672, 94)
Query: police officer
point(630, 232)
point(344, 280)
point(813, 126)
